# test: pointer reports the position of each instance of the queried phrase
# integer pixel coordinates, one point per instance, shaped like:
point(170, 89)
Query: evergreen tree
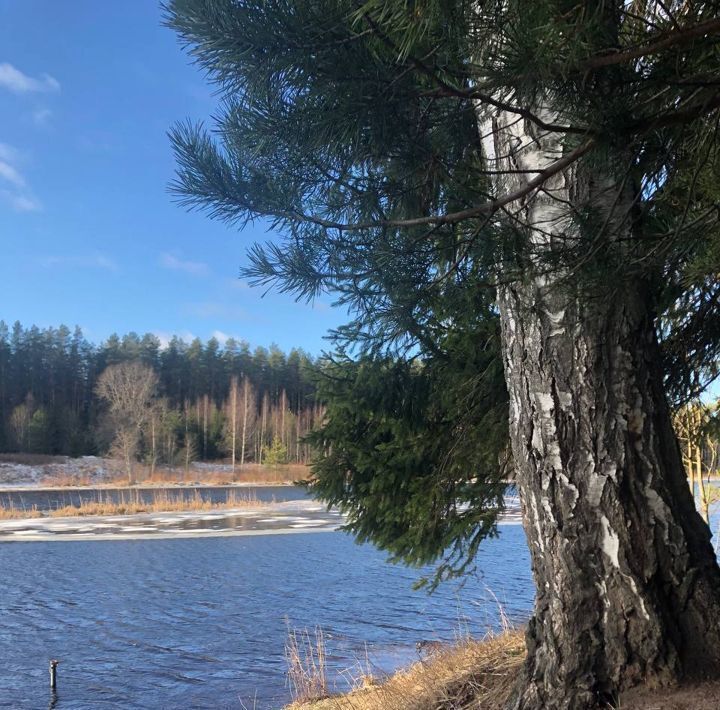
point(53, 373)
point(276, 453)
point(562, 155)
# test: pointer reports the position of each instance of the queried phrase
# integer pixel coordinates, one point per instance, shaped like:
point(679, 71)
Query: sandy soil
point(704, 696)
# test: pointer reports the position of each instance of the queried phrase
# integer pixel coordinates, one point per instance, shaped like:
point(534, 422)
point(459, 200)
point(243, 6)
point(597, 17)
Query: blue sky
point(90, 235)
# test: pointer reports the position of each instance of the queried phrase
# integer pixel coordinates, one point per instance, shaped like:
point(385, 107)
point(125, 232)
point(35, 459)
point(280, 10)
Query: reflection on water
point(202, 622)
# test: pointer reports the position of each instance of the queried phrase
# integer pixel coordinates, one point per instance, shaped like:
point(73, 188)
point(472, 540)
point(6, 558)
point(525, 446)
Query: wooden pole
point(53, 673)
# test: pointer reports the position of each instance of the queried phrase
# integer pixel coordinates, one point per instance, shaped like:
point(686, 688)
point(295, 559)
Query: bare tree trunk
point(688, 457)
point(283, 407)
point(153, 454)
point(704, 501)
point(246, 393)
point(265, 403)
point(628, 587)
point(233, 419)
point(206, 406)
point(128, 461)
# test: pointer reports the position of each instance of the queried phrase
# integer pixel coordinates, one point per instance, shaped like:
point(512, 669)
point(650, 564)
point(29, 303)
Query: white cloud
point(14, 190)
point(195, 268)
point(20, 203)
point(11, 175)
point(42, 116)
point(17, 82)
point(83, 261)
point(221, 337)
point(8, 153)
point(165, 337)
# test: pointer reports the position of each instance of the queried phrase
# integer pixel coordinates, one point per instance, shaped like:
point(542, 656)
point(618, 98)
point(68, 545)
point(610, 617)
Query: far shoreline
point(24, 488)
point(22, 472)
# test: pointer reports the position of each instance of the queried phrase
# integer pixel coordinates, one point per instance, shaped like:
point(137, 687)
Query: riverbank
point(162, 501)
point(470, 674)
point(18, 471)
point(480, 675)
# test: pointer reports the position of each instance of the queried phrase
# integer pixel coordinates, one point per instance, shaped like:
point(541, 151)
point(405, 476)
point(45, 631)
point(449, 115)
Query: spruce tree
point(560, 156)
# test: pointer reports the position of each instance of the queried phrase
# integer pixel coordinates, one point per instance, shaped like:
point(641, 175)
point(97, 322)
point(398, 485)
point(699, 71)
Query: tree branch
point(671, 119)
point(710, 27)
point(454, 217)
point(450, 90)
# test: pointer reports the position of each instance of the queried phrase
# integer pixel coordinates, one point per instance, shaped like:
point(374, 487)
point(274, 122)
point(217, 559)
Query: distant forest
point(49, 399)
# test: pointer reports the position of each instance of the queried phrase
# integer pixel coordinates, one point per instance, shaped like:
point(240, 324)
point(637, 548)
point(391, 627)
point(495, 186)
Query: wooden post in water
point(53, 673)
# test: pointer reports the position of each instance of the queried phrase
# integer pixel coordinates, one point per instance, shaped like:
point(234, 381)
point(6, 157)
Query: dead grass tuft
point(305, 655)
point(12, 513)
point(162, 502)
point(66, 480)
point(481, 675)
point(470, 675)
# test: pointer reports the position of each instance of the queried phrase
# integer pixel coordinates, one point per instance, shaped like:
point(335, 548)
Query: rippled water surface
point(202, 623)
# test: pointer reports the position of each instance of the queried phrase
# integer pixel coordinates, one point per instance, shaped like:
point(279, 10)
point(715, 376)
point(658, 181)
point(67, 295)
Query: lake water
point(202, 622)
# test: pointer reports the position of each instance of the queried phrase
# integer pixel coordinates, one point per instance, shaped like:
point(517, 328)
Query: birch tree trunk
point(153, 455)
point(233, 419)
point(246, 393)
point(628, 587)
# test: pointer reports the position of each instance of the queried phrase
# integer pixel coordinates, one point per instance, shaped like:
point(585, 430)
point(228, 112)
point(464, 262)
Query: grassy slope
point(479, 675)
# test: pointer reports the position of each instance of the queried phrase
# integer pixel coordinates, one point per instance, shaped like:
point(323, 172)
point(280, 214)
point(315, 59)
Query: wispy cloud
point(8, 153)
point(237, 284)
point(42, 116)
point(81, 261)
point(11, 175)
point(165, 337)
point(20, 203)
point(173, 262)
point(14, 190)
point(211, 309)
point(16, 81)
point(222, 337)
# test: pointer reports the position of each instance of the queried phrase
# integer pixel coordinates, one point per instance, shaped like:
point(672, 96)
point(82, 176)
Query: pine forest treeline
point(211, 400)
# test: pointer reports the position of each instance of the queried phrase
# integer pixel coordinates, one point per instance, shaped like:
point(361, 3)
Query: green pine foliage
point(415, 452)
point(351, 130)
point(275, 454)
point(48, 402)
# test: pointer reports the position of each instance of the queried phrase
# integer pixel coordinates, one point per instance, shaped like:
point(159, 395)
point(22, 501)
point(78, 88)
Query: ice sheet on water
point(137, 528)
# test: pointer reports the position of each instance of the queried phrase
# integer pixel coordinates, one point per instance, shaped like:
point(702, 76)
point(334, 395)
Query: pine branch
point(454, 217)
point(672, 39)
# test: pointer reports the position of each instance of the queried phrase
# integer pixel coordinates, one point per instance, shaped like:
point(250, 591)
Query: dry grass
point(205, 475)
point(305, 655)
point(66, 480)
point(162, 502)
point(251, 473)
point(470, 675)
point(12, 513)
point(481, 675)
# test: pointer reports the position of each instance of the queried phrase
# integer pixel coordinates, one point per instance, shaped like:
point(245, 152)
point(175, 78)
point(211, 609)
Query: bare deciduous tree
point(240, 417)
point(128, 388)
